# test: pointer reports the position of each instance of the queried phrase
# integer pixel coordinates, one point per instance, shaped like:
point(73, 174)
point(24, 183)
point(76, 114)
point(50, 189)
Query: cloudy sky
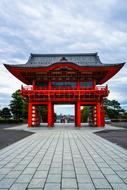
point(69, 26)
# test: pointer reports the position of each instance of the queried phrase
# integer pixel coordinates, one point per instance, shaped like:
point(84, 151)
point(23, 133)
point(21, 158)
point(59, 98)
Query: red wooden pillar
point(102, 114)
point(49, 114)
point(98, 115)
point(52, 115)
point(30, 114)
point(75, 116)
point(78, 115)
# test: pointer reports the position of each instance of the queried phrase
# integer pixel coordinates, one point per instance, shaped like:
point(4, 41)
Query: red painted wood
point(49, 114)
point(29, 114)
point(78, 115)
point(98, 115)
point(107, 72)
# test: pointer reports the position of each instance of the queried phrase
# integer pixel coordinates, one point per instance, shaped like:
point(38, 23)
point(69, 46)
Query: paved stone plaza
point(63, 158)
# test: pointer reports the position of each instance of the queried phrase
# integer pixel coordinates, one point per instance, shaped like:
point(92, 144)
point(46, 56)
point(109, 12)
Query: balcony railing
point(64, 95)
point(31, 88)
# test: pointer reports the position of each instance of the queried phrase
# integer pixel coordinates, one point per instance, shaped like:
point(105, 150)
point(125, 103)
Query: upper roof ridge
point(62, 54)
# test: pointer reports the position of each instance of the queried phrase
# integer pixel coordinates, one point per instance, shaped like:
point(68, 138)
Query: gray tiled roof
point(82, 59)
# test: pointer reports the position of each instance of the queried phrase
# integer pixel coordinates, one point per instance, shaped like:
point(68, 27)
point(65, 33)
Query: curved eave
point(109, 70)
point(16, 72)
point(112, 70)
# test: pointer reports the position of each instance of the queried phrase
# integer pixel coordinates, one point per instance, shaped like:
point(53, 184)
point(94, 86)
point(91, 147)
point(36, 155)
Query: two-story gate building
point(65, 79)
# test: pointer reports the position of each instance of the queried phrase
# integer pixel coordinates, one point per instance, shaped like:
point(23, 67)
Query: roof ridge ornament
point(63, 59)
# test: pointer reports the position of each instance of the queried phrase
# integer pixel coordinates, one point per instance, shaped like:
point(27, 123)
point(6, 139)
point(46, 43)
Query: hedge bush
point(10, 121)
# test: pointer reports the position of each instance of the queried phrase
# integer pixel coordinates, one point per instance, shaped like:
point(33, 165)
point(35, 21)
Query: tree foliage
point(18, 106)
point(43, 113)
point(5, 113)
point(0, 113)
point(113, 109)
point(84, 114)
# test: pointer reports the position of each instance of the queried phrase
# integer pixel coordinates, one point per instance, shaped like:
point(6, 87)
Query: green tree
point(0, 113)
point(16, 105)
point(84, 114)
point(25, 109)
point(5, 113)
point(125, 115)
point(113, 109)
point(44, 114)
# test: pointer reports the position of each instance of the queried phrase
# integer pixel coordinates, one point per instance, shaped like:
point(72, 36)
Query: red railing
point(64, 94)
point(29, 88)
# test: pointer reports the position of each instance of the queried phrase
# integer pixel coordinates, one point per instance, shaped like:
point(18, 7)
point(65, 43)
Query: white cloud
point(63, 26)
point(119, 96)
point(29, 11)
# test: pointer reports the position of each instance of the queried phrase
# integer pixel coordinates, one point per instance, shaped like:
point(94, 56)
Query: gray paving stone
point(56, 164)
point(68, 167)
point(34, 189)
point(114, 179)
point(116, 167)
point(67, 162)
point(1, 176)
point(18, 186)
point(43, 167)
point(103, 189)
point(107, 171)
point(24, 178)
point(122, 174)
point(33, 165)
point(19, 167)
point(11, 165)
point(102, 165)
point(41, 174)
point(5, 170)
point(119, 186)
point(36, 183)
point(6, 183)
point(70, 189)
point(29, 171)
point(92, 167)
point(83, 179)
point(125, 180)
point(69, 183)
point(81, 171)
point(79, 165)
point(96, 174)
point(83, 152)
point(13, 174)
point(101, 183)
point(51, 186)
point(54, 178)
point(55, 170)
point(86, 186)
point(68, 174)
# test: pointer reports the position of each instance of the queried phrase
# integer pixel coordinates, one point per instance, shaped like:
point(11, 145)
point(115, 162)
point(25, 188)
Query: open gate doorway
point(65, 114)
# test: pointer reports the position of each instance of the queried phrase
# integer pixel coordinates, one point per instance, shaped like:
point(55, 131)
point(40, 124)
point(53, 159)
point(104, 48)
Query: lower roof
point(101, 73)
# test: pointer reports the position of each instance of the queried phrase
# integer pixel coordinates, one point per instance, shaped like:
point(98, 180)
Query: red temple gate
point(65, 78)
